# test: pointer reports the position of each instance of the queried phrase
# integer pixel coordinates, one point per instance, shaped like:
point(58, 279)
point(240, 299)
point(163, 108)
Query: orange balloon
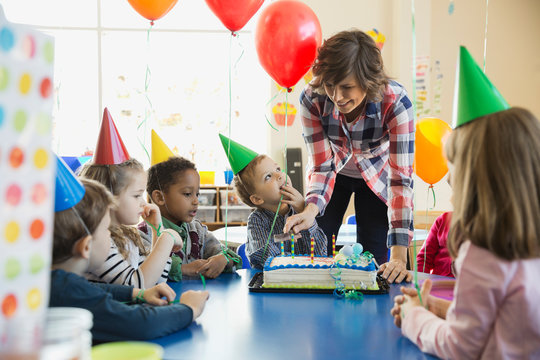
point(429, 161)
point(152, 9)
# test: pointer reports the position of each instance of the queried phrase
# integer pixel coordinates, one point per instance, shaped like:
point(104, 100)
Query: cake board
point(255, 285)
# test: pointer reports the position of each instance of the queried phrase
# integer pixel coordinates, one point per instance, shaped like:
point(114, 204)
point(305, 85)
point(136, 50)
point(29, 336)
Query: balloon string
point(485, 36)
point(286, 181)
point(268, 102)
point(147, 77)
point(414, 115)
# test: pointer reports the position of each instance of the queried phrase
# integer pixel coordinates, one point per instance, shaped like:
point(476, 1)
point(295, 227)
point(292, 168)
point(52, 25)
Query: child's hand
point(177, 239)
point(195, 300)
point(152, 214)
point(214, 266)
point(154, 294)
point(292, 197)
point(194, 267)
point(404, 303)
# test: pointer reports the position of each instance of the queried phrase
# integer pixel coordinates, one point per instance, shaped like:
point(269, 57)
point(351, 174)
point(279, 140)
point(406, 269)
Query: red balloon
point(287, 37)
point(234, 14)
point(152, 9)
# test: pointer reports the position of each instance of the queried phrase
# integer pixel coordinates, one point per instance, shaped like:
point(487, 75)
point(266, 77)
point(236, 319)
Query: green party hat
point(475, 95)
point(239, 155)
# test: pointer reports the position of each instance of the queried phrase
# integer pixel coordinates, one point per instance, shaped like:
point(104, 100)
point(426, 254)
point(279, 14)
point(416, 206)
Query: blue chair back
point(351, 219)
point(242, 252)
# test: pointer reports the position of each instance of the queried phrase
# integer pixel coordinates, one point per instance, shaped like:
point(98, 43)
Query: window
point(173, 78)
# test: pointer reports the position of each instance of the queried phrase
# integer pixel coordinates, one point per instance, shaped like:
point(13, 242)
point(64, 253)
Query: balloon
point(287, 37)
point(346, 250)
point(429, 162)
point(234, 14)
point(357, 249)
point(152, 9)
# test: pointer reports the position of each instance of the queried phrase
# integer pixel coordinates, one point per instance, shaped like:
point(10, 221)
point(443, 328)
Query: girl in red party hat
point(134, 258)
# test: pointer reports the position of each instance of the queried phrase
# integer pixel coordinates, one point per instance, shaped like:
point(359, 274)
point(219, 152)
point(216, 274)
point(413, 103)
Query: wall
point(512, 62)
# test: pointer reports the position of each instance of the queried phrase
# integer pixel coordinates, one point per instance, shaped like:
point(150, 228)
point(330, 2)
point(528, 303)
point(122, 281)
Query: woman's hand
point(292, 197)
point(302, 221)
point(151, 214)
point(214, 267)
point(395, 270)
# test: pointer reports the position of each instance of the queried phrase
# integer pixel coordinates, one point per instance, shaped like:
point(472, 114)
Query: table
point(237, 235)
point(237, 324)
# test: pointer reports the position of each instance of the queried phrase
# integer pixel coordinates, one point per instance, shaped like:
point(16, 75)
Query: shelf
point(219, 221)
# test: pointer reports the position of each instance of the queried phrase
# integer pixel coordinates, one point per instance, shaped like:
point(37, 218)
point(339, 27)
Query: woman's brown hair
point(349, 52)
point(117, 178)
point(68, 227)
point(496, 184)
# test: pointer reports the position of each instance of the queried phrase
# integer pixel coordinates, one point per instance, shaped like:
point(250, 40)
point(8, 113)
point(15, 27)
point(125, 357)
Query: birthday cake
point(323, 273)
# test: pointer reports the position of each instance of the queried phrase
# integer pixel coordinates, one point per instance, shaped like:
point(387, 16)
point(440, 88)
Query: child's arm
point(430, 248)
point(116, 270)
point(116, 320)
point(482, 288)
point(158, 260)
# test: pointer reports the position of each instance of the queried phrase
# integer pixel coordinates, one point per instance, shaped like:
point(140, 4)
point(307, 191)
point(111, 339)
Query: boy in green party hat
point(260, 183)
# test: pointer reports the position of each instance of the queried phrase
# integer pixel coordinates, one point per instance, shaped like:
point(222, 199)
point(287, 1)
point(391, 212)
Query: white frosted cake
point(324, 273)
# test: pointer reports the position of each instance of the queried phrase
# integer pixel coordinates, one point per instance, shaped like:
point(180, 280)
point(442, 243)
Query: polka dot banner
point(27, 177)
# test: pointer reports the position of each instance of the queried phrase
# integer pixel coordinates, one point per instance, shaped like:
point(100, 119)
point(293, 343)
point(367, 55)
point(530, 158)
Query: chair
point(241, 250)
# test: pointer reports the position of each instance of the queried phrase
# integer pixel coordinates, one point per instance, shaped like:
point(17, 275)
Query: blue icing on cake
point(328, 264)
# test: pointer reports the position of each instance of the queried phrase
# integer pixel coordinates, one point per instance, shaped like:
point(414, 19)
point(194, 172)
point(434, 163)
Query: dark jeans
point(371, 216)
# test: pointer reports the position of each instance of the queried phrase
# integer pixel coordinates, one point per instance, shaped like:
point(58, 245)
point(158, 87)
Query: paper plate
point(129, 350)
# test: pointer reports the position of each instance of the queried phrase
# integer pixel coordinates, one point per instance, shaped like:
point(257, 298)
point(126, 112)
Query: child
point(173, 185)
point(260, 183)
point(130, 262)
point(81, 244)
point(495, 240)
point(433, 256)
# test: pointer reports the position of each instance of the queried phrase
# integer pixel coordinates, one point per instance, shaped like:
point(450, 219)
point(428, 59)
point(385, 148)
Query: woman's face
point(347, 95)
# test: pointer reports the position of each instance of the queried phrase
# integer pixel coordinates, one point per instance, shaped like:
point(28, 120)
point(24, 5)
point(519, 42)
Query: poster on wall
point(422, 86)
point(28, 167)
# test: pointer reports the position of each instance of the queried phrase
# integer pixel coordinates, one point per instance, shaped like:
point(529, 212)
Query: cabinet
point(235, 212)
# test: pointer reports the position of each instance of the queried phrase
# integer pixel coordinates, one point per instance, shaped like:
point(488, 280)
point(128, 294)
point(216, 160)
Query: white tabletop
point(237, 235)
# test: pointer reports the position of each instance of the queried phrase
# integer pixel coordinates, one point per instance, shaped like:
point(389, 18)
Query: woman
point(359, 129)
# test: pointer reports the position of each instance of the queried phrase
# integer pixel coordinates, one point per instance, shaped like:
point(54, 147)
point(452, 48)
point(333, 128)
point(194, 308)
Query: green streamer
point(158, 230)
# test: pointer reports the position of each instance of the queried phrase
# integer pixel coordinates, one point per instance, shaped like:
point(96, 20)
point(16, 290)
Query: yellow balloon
point(429, 161)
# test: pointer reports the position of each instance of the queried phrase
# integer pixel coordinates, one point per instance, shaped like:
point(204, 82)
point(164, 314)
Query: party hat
point(69, 191)
point(474, 95)
point(110, 148)
point(160, 151)
point(239, 155)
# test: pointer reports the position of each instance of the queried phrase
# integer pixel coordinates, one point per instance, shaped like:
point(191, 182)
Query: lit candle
point(334, 245)
point(312, 248)
point(292, 246)
point(282, 249)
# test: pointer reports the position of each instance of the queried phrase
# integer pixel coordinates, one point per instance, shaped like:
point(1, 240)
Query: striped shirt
point(380, 142)
point(258, 227)
point(118, 270)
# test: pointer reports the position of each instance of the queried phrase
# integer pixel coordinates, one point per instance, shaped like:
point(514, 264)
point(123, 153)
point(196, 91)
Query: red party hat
point(110, 148)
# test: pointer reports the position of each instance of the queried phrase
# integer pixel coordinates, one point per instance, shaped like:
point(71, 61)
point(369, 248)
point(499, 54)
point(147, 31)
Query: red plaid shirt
point(381, 143)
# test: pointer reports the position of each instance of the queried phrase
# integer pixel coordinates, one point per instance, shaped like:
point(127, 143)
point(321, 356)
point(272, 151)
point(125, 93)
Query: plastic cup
point(127, 350)
point(228, 176)
point(207, 177)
